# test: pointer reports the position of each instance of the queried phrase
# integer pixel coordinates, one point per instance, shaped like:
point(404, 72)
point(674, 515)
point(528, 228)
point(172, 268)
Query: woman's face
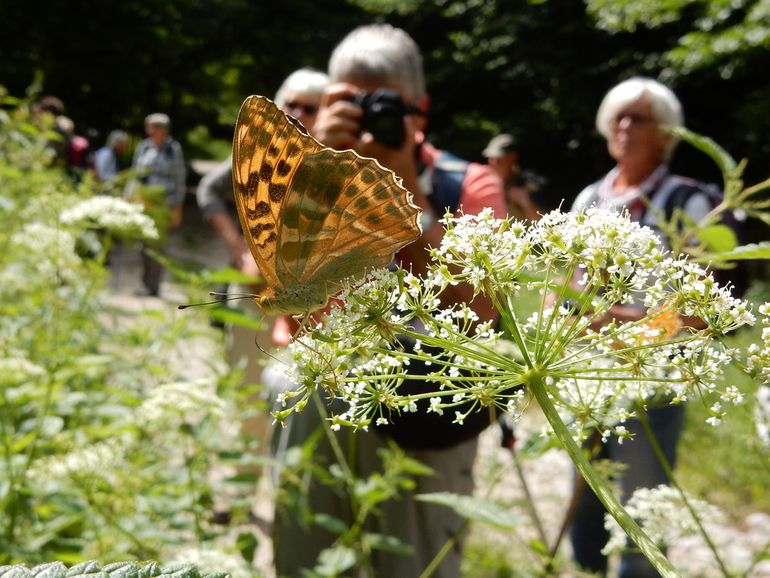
point(635, 136)
point(303, 107)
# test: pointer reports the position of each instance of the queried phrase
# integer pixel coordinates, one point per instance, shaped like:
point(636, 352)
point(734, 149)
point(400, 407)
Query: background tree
point(536, 68)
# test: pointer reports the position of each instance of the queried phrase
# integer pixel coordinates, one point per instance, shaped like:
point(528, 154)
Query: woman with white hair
point(300, 95)
point(632, 117)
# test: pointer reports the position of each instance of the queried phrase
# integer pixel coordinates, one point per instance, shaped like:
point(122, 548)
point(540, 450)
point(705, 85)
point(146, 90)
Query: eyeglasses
point(301, 108)
point(633, 118)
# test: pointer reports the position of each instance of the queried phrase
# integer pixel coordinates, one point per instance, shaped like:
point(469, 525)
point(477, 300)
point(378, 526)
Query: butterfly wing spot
point(361, 203)
point(368, 176)
point(283, 168)
point(251, 185)
point(276, 192)
point(260, 210)
point(260, 228)
point(265, 172)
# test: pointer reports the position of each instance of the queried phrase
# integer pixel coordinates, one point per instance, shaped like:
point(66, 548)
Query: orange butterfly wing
point(312, 216)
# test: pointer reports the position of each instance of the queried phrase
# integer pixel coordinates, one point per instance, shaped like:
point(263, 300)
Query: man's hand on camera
point(338, 124)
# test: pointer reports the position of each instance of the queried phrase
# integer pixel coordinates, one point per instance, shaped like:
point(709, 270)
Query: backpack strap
point(675, 192)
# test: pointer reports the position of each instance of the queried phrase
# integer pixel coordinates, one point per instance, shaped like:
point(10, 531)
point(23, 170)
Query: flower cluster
point(101, 460)
point(49, 253)
point(758, 362)
point(186, 402)
point(577, 268)
point(118, 216)
point(18, 370)
point(663, 514)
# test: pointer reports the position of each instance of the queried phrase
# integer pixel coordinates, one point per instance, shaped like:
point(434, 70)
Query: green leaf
point(229, 275)
point(720, 156)
point(50, 570)
point(238, 317)
point(87, 567)
point(474, 508)
point(718, 238)
point(334, 561)
point(327, 522)
point(539, 547)
point(247, 545)
point(742, 253)
point(16, 571)
point(122, 570)
point(388, 544)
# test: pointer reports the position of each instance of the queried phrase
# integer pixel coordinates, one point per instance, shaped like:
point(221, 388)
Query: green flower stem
point(602, 491)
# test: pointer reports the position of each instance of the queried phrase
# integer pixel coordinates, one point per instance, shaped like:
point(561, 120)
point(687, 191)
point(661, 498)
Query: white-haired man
point(382, 64)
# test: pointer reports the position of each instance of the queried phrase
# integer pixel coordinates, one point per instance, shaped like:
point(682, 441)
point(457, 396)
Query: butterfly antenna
point(222, 297)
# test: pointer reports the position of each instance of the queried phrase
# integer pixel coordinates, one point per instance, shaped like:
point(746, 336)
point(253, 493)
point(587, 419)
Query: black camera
point(383, 117)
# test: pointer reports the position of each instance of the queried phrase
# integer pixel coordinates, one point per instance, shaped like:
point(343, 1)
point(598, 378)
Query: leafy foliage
point(113, 570)
point(105, 448)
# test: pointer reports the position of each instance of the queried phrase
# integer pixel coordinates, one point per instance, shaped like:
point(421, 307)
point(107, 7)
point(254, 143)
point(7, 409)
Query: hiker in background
point(106, 160)
point(159, 163)
point(502, 155)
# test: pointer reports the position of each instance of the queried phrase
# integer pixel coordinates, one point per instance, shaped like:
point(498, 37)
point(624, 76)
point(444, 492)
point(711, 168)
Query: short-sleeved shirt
point(162, 166)
point(481, 187)
point(215, 191)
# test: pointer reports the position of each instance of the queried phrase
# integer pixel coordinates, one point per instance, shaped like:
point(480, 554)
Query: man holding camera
point(377, 106)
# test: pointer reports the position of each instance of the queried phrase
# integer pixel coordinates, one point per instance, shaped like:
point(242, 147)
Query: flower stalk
point(606, 497)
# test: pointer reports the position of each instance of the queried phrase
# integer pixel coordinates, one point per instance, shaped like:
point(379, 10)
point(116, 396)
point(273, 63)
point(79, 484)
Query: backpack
point(420, 429)
point(680, 194)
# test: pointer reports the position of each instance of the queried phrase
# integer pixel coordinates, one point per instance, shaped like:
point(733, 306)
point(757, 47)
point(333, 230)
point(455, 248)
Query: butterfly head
point(293, 300)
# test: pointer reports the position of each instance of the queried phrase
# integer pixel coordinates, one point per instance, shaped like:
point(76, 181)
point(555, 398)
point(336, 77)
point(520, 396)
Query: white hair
point(115, 137)
point(380, 52)
point(664, 103)
point(305, 82)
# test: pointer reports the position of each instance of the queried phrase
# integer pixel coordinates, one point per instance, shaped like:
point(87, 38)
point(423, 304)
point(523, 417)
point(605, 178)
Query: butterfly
point(312, 216)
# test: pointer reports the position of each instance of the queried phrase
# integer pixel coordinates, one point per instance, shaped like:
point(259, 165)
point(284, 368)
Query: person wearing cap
point(159, 163)
point(502, 155)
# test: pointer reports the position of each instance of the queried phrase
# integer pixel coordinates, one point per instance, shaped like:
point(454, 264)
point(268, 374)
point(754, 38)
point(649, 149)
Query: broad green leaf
point(474, 508)
point(718, 238)
point(334, 525)
point(50, 570)
point(87, 567)
point(538, 546)
point(229, 275)
point(237, 317)
point(742, 253)
point(17, 571)
point(122, 570)
point(720, 156)
point(247, 545)
point(334, 561)
point(387, 543)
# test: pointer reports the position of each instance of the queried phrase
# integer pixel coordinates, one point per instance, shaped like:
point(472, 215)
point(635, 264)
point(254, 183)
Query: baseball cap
point(499, 146)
